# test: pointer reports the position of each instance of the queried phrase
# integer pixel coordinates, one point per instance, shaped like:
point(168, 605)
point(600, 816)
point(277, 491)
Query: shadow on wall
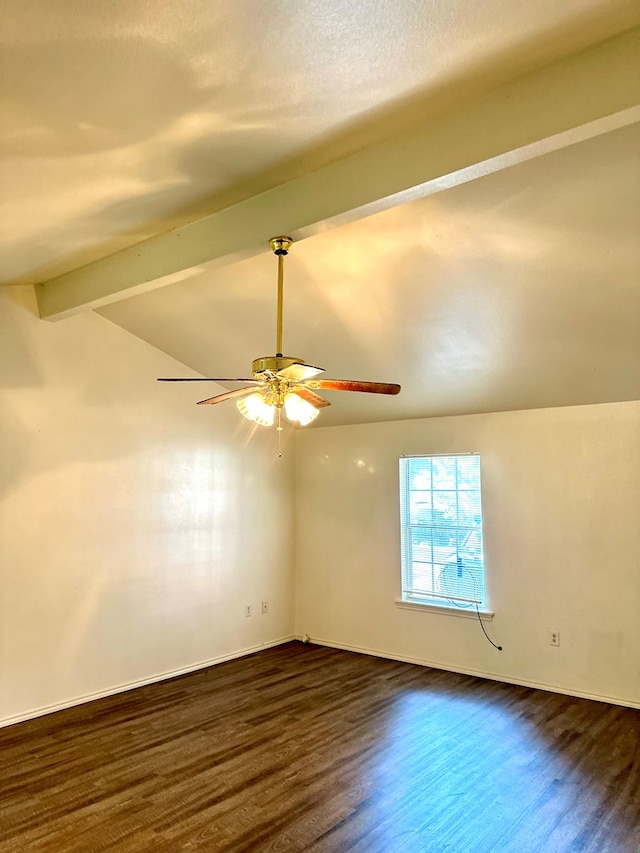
point(18, 361)
point(14, 448)
point(69, 394)
point(58, 383)
point(18, 369)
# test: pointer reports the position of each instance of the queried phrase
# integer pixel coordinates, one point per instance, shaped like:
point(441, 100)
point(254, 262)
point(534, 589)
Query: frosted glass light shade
point(298, 410)
point(255, 408)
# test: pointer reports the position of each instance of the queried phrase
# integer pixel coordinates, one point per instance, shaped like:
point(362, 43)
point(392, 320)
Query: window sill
point(486, 615)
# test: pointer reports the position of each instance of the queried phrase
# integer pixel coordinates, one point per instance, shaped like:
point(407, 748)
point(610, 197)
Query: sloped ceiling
point(516, 289)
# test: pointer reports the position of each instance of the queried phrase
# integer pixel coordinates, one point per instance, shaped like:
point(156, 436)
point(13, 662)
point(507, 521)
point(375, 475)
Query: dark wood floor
point(306, 748)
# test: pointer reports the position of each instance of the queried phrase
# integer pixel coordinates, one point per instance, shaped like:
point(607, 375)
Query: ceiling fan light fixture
point(298, 410)
point(255, 408)
point(284, 381)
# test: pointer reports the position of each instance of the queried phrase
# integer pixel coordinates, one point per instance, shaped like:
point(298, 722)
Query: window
point(441, 531)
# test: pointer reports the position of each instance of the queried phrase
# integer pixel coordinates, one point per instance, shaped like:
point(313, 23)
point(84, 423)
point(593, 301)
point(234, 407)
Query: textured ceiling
point(519, 289)
point(121, 119)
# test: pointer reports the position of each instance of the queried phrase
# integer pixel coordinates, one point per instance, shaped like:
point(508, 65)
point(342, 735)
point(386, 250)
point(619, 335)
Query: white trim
point(486, 615)
point(431, 455)
point(304, 638)
point(536, 685)
point(132, 685)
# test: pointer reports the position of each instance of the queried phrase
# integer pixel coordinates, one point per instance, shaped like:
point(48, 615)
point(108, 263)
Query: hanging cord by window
point(499, 648)
point(459, 572)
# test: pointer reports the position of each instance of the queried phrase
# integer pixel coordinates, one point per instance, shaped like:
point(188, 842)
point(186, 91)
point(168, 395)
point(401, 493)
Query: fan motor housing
point(273, 363)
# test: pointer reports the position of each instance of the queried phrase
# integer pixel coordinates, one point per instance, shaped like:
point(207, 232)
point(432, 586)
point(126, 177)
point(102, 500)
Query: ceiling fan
point(281, 382)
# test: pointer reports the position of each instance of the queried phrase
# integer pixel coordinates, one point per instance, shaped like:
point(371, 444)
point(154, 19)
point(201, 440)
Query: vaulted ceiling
point(461, 181)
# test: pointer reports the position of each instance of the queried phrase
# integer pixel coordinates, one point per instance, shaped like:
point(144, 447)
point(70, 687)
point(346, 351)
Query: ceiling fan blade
point(299, 372)
point(220, 398)
point(199, 379)
point(354, 385)
point(311, 397)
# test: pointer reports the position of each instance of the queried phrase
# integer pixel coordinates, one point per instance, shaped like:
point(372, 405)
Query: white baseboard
point(538, 685)
point(163, 676)
point(131, 685)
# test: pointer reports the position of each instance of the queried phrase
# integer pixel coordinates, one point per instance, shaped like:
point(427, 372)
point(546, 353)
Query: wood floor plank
point(304, 748)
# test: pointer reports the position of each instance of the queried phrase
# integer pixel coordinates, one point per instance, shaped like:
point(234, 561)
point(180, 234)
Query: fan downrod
point(280, 246)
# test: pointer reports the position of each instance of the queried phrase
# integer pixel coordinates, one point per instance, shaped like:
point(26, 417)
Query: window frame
point(411, 597)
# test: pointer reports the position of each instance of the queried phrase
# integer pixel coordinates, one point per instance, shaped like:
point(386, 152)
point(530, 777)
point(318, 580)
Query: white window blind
point(441, 530)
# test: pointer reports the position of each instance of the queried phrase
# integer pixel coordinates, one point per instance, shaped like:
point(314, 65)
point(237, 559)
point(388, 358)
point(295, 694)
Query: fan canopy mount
point(280, 245)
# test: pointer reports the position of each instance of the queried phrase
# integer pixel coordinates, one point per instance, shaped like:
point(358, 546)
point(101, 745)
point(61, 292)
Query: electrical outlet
point(554, 638)
point(247, 610)
point(265, 606)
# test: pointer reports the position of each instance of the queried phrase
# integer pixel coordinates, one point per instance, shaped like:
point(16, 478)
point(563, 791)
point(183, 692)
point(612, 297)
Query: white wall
point(561, 501)
point(134, 526)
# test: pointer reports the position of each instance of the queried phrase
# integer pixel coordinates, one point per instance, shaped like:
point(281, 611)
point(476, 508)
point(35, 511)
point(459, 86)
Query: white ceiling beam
point(582, 96)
